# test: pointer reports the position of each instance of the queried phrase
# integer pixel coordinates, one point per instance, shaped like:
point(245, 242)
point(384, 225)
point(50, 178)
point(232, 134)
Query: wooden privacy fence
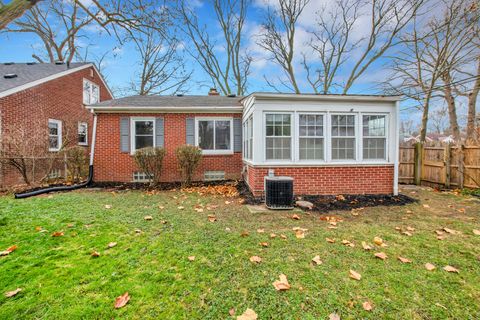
point(449, 166)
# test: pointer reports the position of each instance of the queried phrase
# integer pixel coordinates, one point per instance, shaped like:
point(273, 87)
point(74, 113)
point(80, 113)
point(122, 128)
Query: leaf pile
point(228, 191)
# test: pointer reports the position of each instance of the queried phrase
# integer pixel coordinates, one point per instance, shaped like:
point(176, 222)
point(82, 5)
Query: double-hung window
point(311, 137)
point(248, 138)
point(278, 136)
point(91, 92)
point(374, 137)
point(143, 133)
point(83, 133)
point(54, 135)
point(343, 137)
point(214, 136)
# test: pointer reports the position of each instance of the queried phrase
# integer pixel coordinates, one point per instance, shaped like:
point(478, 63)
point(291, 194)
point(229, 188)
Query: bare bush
point(150, 161)
point(188, 157)
point(77, 163)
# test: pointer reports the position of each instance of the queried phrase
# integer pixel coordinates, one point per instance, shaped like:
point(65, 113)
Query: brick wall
point(328, 180)
point(60, 99)
point(110, 164)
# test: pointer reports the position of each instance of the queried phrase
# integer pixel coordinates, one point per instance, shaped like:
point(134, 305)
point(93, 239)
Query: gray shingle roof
point(27, 73)
point(172, 101)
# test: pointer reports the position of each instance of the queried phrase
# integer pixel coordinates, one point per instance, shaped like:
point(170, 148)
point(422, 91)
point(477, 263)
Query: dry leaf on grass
point(367, 306)
point(330, 240)
point(355, 275)
point(191, 258)
point(260, 230)
point(273, 235)
point(283, 236)
point(95, 254)
point(448, 230)
point(366, 246)
point(57, 234)
point(111, 244)
point(295, 217)
point(407, 233)
point(378, 241)
point(255, 259)
point(8, 251)
point(476, 232)
point(212, 218)
point(38, 228)
point(249, 314)
point(409, 212)
point(13, 293)
point(180, 207)
point(426, 206)
point(148, 218)
point(404, 260)
point(430, 267)
point(281, 284)
point(333, 316)
point(348, 243)
point(108, 206)
point(231, 312)
point(316, 260)
point(122, 300)
point(244, 233)
point(411, 229)
point(264, 244)
point(381, 255)
point(450, 269)
point(299, 232)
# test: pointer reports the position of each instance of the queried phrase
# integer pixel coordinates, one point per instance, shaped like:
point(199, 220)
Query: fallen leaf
point(231, 312)
point(355, 275)
point(95, 254)
point(111, 244)
point(8, 251)
point(439, 232)
point(191, 258)
point(409, 211)
point(450, 269)
point(137, 231)
point(330, 240)
point(430, 267)
point(367, 306)
point(13, 293)
point(249, 314)
point(122, 300)
point(273, 235)
point(426, 206)
point(212, 218)
point(295, 217)
point(108, 206)
point(281, 284)
point(163, 221)
point(260, 230)
point(348, 243)
point(366, 246)
point(264, 244)
point(407, 233)
point(476, 232)
point(255, 259)
point(299, 232)
point(180, 207)
point(316, 260)
point(398, 228)
point(148, 218)
point(244, 233)
point(38, 228)
point(451, 231)
point(340, 197)
point(404, 260)
point(381, 255)
point(283, 236)
point(378, 241)
point(410, 229)
point(57, 234)
point(333, 316)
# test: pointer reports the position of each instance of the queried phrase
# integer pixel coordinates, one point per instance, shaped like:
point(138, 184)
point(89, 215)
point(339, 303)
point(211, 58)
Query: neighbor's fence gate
point(449, 166)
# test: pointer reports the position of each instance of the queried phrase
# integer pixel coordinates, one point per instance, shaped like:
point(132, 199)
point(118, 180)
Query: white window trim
point(60, 140)
point(293, 136)
point(356, 137)
point(80, 123)
point(297, 139)
point(387, 140)
point(90, 93)
point(215, 152)
point(133, 133)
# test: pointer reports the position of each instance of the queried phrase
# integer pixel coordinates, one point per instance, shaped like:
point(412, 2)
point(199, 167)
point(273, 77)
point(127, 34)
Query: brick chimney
point(213, 92)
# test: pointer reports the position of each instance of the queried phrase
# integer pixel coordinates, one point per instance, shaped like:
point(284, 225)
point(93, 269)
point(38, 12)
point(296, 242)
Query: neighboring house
point(329, 144)
point(52, 96)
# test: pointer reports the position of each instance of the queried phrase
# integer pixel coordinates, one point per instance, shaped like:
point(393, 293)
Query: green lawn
point(61, 280)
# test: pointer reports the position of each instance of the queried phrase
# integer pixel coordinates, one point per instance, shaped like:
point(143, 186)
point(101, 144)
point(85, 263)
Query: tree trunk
point(472, 135)
point(14, 10)
point(423, 129)
point(452, 110)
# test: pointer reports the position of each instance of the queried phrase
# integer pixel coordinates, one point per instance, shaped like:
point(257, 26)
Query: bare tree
point(225, 60)
point(57, 23)
point(332, 39)
point(279, 38)
point(439, 119)
point(162, 68)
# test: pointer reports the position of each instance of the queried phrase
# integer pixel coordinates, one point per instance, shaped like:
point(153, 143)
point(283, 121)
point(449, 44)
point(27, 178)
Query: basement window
point(214, 175)
point(140, 177)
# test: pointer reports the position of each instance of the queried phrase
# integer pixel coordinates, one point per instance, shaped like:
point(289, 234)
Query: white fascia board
point(46, 79)
point(109, 109)
point(319, 97)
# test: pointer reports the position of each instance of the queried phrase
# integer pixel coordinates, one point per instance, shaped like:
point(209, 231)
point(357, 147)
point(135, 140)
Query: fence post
point(448, 165)
point(417, 167)
point(461, 166)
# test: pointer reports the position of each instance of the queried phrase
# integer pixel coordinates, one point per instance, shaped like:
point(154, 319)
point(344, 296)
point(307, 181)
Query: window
point(374, 137)
point(214, 175)
point(83, 133)
point(343, 137)
point(278, 136)
point(54, 135)
point(140, 177)
point(248, 138)
point(142, 133)
point(91, 92)
point(214, 135)
point(311, 137)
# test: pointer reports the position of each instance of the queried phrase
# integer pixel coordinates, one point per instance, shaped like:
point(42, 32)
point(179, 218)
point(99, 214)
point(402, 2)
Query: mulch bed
point(349, 202)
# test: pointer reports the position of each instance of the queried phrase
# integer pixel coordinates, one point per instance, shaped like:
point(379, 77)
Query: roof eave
point(193, 109)
point(320, 97)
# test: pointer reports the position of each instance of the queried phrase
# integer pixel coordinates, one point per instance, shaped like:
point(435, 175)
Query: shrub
point(150, 161)
point(188, 157)
point(77, 163)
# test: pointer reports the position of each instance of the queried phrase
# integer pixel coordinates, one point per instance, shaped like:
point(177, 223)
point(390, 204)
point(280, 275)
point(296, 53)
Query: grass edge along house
point(328, 144)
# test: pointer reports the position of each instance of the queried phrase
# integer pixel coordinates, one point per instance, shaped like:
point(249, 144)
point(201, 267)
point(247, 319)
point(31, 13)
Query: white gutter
point(94, 138)
point(397, 142)
point(321, 97)
point(190, 109)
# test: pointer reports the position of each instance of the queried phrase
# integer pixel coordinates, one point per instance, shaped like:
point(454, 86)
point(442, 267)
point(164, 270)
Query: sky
point(121, 62)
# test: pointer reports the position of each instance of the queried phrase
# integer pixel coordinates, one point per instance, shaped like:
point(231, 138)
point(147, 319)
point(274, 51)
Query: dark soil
point(163, 186)
point(246, 194)
point(328, 203)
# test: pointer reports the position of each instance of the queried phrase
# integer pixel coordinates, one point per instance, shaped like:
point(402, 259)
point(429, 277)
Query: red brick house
point(50, 95)
point(329, 144)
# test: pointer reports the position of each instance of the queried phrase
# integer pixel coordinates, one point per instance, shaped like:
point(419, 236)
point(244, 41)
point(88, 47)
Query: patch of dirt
point(163, 186)
point(247, 195)
point(347, 202)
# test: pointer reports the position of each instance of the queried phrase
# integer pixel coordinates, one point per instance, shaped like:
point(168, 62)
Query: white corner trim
point(396, 144)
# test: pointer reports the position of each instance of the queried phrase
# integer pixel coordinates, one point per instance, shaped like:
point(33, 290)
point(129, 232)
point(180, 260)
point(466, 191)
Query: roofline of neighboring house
point(328, 97)
point(139, 109)
point(53, 77)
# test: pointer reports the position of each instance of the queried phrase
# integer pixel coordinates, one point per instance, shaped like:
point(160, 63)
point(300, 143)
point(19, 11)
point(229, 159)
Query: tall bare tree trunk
point(452, 109)
point(472, 135)
point(423, 128)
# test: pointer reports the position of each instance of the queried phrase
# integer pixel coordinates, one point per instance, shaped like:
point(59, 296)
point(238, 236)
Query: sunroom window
point(311, 137)
point(343, 137)
point(278, 136)
point(214, 135)
point(374, 137)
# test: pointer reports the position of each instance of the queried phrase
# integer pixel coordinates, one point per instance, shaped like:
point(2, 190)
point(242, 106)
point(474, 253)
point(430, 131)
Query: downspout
point(68, 188)
point(397, 142)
